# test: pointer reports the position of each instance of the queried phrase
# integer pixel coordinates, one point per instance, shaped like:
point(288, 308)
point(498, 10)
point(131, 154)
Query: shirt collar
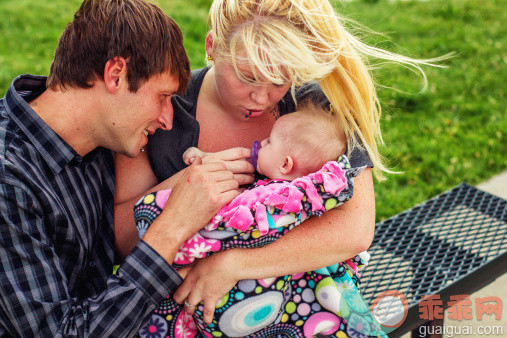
point(53, 149)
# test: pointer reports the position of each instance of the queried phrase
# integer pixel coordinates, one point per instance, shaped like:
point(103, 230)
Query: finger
point(197, 161)
point(228, 196)
point(226, 185)
point(190, 304)
point(219, 175)
point(190, 154)
point(184, 271)
point(189, 307)
point(232, 154)
point(240, 167)
point(189, 160)
point(243, 179)
point(208, 312)
point(181, 293)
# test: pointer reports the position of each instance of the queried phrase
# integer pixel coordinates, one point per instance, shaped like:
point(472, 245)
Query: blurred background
point(452, 132)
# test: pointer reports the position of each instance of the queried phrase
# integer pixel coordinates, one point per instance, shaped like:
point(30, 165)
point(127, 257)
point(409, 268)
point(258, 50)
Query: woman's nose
point(259, 94)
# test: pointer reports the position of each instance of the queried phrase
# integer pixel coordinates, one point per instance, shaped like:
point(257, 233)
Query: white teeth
point(145, 132)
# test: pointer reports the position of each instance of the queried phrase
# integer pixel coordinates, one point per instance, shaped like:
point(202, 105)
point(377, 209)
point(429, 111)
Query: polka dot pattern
point(299, 305)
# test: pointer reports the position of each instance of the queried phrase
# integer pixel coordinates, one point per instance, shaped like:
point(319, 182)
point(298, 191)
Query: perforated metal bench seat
point(452, 244)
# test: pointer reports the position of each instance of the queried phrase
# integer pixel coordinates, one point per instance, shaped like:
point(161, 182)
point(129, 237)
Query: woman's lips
point(253, 112)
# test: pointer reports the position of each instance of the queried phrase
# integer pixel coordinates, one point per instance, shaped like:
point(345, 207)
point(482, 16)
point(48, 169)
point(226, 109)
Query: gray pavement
point(497, 185)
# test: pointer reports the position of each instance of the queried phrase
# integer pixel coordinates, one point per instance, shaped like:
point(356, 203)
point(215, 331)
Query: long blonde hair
point(299, 41)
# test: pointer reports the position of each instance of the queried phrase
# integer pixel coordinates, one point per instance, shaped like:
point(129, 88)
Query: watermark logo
point(390, 309)
point(459, 307)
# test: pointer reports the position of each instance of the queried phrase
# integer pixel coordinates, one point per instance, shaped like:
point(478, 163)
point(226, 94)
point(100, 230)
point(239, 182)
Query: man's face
point(141, 113)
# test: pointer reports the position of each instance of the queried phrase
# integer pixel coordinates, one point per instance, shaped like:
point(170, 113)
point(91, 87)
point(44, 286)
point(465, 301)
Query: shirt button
point(92, 264)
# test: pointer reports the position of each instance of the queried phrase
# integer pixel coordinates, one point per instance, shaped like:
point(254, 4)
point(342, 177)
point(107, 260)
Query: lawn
point(452, 132)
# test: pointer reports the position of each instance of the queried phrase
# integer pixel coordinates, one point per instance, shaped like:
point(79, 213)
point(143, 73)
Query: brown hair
point(314, 137)
point(136, 30)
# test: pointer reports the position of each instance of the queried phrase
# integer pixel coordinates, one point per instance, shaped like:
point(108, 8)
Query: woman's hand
point(207, 281)
point(235, 160)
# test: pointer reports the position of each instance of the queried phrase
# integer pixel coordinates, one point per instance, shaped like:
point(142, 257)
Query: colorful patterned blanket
point(325, 301)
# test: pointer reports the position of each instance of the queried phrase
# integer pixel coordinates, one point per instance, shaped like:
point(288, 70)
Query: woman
point(258, 53)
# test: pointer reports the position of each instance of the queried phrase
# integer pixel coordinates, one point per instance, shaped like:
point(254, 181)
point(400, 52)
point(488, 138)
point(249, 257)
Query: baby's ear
point(288, 165)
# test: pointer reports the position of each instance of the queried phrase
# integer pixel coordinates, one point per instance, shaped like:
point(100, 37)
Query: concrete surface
point(497, 185)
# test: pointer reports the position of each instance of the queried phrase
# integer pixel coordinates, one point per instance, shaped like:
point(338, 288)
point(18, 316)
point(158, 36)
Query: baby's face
point(272, 153)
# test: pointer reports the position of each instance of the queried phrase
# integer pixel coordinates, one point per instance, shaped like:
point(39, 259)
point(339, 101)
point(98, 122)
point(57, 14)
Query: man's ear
point(115, 72)
point(288, 165)
point(208, 44)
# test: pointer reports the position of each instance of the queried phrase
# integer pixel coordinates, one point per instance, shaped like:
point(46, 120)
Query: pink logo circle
point(390, 309)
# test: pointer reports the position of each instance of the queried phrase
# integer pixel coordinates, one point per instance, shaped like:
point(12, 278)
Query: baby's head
point(300, 143)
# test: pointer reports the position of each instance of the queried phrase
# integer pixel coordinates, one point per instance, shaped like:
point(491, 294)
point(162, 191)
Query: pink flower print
point(200, 250)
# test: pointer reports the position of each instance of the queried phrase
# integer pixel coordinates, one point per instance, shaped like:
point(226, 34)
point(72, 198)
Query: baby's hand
point(191, 153)
point(235, 160)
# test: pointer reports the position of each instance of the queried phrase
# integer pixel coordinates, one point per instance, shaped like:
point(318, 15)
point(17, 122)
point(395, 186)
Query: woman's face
point(242, 99)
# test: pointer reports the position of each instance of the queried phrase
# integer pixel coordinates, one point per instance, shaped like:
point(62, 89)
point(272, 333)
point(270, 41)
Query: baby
point(299, 144)
point(299, 158)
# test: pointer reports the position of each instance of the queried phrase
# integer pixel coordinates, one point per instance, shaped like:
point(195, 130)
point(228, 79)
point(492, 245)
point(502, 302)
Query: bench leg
point(429, 329)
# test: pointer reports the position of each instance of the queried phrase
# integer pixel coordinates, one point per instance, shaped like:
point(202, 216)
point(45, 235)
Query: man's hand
point(235, 160)
point(200, 192)
point(207, 281)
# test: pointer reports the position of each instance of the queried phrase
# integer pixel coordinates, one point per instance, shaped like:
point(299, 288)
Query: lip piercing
point(249, 114)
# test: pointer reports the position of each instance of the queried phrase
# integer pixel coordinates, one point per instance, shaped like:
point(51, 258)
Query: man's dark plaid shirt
point(56, 235)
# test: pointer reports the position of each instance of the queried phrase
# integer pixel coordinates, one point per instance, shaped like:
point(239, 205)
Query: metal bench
point(452, 244)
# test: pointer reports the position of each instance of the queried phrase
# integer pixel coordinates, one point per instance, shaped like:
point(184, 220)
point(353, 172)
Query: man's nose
point(165, 118)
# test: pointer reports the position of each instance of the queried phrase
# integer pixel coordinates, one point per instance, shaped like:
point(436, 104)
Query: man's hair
point(149, 40)
point(314, 137)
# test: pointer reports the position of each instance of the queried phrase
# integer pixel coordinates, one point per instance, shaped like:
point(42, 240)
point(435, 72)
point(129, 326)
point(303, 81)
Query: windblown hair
point(149, 40)
point(298, 41)
point(314, 137)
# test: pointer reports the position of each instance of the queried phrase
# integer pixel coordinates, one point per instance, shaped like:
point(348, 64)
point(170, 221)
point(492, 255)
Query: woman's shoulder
point(194, 86)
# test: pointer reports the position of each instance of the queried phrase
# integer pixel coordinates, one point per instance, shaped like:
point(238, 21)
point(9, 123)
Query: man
point(115, 69)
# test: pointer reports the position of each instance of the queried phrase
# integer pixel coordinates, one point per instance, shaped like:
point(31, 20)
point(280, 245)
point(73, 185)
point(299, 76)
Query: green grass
point(453, 132)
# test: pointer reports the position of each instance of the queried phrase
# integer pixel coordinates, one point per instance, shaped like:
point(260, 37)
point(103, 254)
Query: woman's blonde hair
point(298, 41)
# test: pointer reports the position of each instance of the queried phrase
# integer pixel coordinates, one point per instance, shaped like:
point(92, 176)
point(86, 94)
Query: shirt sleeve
point(36, 297)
